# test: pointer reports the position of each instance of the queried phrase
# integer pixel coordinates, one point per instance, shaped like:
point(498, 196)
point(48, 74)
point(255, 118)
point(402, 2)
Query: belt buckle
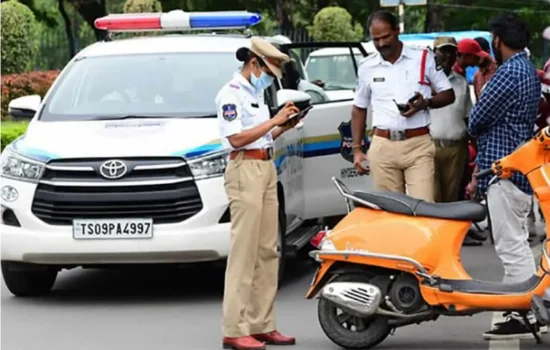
point(269, 153)
point(397, 135)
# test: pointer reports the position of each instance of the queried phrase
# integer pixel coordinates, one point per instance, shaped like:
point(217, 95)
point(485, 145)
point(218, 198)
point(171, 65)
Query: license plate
point(113, 229)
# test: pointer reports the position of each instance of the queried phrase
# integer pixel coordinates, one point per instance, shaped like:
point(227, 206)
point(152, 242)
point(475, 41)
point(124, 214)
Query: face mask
point(261, 83)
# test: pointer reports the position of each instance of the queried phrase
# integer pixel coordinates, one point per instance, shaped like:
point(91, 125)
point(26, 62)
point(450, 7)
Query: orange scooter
point(394, 260)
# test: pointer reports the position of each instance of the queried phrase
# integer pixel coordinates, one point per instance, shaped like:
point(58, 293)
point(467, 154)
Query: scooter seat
point(400, 203)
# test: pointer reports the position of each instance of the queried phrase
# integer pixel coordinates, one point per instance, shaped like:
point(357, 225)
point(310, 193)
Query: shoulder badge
point(229, 112)
point(234, 86)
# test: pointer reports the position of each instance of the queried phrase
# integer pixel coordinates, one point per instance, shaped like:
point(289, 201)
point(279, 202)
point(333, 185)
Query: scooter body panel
point(432, 242)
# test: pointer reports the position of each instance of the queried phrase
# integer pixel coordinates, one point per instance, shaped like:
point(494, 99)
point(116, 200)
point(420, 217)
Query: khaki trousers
point(410, 162)
point(252, 268)
point(450, 162)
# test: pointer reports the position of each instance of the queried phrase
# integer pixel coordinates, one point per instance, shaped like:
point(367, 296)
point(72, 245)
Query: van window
point(337, 72)
point(174, 85)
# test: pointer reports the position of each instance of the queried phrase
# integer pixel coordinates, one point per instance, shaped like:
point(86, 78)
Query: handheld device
point(300, 114)
point(401, 106)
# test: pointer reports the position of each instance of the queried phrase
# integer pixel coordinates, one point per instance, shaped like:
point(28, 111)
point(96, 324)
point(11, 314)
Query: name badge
point(379, 80)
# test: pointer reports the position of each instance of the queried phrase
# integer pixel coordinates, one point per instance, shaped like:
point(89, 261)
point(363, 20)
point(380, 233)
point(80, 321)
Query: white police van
point(122, 163)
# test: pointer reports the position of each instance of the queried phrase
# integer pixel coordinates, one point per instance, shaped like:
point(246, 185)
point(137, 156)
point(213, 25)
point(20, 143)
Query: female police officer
point(251, 185)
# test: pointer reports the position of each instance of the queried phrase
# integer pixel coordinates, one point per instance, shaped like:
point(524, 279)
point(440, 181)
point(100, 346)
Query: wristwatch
point(429, 105)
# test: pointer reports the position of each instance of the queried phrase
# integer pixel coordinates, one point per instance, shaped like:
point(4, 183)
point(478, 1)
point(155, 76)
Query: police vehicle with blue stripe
point(122, 163)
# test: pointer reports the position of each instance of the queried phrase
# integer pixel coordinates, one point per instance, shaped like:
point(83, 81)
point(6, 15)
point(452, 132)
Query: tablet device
point(300, 114)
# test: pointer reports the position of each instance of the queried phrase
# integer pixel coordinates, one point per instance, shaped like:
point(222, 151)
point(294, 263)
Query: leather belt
point(398, 135)
point(257, 154)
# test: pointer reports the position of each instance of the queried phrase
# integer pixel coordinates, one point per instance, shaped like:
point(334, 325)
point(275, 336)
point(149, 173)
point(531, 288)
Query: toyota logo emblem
point(113, 169)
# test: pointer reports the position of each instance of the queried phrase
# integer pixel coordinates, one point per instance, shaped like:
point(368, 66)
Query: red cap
point(471, 46)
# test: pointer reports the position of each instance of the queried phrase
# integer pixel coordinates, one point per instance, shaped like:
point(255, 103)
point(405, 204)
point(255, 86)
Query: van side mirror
point(300, 99)
point(24, 107)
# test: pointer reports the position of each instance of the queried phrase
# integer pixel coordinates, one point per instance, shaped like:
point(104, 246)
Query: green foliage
point(142, 6)
point(10, 131)
point(19, 37)
point(31, 83)
point(334, 23)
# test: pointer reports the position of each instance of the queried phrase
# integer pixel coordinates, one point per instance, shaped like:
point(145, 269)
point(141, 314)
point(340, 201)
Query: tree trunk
point(68, 29)
point(434, 21)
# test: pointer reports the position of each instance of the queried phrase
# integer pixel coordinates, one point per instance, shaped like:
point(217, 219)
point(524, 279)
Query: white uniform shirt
point(240, 107)
point(448, 123)
point(379, 82)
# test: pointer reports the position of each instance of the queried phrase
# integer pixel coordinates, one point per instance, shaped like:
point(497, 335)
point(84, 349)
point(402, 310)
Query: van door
point(288, 160)
point(327, 142)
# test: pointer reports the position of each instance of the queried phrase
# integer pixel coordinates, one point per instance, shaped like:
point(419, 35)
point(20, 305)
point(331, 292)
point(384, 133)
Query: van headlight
point(210, 165)
point(18, 167)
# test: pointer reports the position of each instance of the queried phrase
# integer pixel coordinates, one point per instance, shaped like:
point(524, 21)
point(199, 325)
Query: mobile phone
point(300, 114)
point(401, 107)
point(414, 98)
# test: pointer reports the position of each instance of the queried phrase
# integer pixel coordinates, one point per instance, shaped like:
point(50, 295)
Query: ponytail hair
point(245, 55)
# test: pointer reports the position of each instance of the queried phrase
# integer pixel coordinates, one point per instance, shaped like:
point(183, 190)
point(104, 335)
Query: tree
point(19, 37)
point(334, 23)
point(142, 6)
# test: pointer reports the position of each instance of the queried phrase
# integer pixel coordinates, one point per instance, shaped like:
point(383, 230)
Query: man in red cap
point(469, 54)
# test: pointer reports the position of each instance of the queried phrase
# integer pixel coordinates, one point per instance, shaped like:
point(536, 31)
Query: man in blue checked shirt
point(502, 120)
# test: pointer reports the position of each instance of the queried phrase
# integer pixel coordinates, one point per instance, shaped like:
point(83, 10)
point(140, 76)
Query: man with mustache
point(402, 151)
point(502, 120)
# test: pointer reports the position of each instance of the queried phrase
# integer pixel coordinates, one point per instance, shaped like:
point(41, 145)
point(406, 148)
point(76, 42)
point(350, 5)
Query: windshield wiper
point(142, 116)
point(133, 116)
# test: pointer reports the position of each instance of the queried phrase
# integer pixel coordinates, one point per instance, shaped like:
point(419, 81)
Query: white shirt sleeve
point(437, 78)
point(362, 91)
point(230, 112)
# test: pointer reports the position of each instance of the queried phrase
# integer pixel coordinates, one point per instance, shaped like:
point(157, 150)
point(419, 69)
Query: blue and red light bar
point(177, 20)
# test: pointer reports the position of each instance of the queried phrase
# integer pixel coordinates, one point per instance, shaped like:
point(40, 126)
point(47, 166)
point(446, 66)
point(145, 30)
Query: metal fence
point(54, 51)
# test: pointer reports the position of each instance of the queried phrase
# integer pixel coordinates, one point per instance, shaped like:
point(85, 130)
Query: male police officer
point(402, 151)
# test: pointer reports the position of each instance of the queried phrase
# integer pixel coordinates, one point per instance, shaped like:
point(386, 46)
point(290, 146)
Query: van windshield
point(164, 85)
point(336, 71)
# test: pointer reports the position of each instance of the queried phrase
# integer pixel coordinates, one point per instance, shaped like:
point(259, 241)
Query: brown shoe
point(242, 343)
point(275, 338)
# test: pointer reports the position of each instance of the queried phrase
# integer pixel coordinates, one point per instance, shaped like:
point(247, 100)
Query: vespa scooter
point(395, 260)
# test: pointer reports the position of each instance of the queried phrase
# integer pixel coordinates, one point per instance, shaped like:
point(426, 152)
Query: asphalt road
point(165, 309)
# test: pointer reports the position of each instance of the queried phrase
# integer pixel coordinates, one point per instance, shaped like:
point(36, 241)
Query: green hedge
point(19, 36)
point(10, 131)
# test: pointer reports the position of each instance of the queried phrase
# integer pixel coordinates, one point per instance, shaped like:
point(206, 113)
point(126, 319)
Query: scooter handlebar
point(484, 173)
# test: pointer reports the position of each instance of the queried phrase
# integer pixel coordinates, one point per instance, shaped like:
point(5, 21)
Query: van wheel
point(23, 280)
point(281, 245)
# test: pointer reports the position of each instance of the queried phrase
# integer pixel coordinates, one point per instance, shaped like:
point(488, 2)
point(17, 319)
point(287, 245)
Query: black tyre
point(24, 280)
point(281, 245)
point(350, 332)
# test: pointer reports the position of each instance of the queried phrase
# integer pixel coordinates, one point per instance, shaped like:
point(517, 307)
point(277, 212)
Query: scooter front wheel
point(346, 330)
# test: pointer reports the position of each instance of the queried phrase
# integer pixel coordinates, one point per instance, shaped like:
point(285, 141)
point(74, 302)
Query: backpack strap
point(423, 68)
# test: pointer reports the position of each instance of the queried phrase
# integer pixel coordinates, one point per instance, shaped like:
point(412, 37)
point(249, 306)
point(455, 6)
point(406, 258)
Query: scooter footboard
point(541, 307)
